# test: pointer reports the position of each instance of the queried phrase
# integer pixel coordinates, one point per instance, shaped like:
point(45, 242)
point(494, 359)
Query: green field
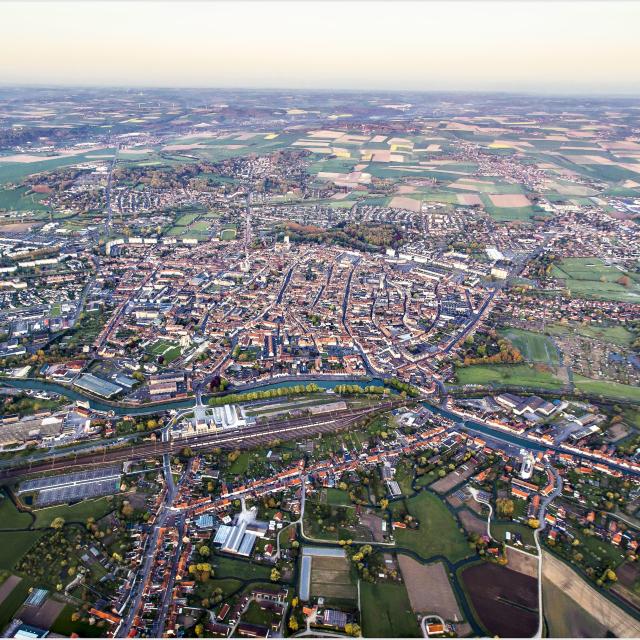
point(228, 234)
point(19, 200)
point(386, 611)
point(13, 546)
point(614, 390)
point(73, 513)
point(617, 335)
point(591, 278)
point(498, 530)
point(333, 165)
point(170, 351)
point(225, 567)
point(534, 347)
point(438, 534)
point(228, 586)
point(16, 171)
point(337, 497)
point(519, 375)
point(240, 465)
point(186, 219)
point(10, 517)
point(65, 626)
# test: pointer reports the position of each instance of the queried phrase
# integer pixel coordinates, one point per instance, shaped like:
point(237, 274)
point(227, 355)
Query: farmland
point(505, 601)
point(429, 588)
point(386, 611)
point(330, 578)
point(591, 278)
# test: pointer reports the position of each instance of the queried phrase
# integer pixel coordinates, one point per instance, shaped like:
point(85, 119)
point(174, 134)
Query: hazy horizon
point(548, 48)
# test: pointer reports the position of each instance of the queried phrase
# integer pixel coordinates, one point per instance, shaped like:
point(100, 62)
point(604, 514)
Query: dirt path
point(570, 583)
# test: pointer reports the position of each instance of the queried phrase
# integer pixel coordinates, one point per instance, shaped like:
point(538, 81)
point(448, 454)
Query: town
point(325, 367)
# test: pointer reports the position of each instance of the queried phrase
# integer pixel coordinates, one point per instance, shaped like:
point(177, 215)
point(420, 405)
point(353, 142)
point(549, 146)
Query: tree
point(275, 575)
point(57, 523)
point(534, 523)
point(204, 551)
point(505, 507)
point(293, 624)
point(352, 629)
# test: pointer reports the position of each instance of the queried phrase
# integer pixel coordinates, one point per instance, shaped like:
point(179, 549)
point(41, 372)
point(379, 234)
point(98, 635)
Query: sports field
point(228, 234)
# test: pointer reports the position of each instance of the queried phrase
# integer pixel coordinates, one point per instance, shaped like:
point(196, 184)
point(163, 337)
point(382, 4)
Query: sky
point(545, 46)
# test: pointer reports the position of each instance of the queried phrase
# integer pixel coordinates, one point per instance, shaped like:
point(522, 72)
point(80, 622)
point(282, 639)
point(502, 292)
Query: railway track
point(245, 437)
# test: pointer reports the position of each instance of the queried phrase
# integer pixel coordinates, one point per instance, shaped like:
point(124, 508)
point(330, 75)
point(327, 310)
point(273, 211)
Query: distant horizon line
point(550, 93)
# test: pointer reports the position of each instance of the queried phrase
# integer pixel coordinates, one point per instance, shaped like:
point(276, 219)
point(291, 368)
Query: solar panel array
point(73, 492)
point(79, 477)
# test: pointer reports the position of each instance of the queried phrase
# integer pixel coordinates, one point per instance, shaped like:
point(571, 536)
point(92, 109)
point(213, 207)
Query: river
point(323, 383)
point(185, 403)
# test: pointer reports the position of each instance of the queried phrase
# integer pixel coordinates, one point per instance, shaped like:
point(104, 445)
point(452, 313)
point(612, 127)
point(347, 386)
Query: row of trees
point(263, 395)
point(402, 387)
point(352, 389)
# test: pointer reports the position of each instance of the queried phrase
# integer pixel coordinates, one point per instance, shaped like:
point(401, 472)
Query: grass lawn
point(404, 477)
point(337, 496)
point(225, 567)
point(206, 589)
point(65, 627)
point(438, 533)
point(600, 552)
point(607, 389)
point(10, 517)
point(534, 347)
point(256, 615)
point(13, 546)
point(73, 513)
point(386, 611)
point(240, 465)
point(520, 375)
point(170, 351)
point(498, 530)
